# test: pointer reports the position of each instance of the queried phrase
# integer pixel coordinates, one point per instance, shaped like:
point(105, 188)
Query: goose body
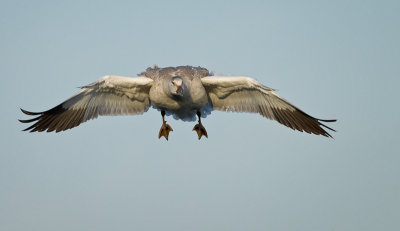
point(194, 95)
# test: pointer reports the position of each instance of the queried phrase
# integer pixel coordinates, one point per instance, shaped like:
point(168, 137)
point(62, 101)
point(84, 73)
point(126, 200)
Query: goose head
point(176, 86)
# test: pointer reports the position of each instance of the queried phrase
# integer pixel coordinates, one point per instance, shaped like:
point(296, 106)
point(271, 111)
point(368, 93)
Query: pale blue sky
point(333, 59)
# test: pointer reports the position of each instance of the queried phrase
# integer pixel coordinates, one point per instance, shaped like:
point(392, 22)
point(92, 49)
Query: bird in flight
point(184, 92)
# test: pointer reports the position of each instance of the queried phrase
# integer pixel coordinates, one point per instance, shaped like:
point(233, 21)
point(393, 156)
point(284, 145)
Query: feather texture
point(245, 94)
point(110, 95)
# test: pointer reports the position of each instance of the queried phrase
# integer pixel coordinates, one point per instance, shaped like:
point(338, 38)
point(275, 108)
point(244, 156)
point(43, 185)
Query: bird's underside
point(183, 91)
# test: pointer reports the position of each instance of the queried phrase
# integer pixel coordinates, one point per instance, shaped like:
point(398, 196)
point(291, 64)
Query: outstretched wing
point(245, 94)
point(110, 95)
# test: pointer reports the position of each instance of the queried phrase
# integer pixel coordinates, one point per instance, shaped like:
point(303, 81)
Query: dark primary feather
point(244, 94)
point(56, 119)
point(111, 95)
point(295, 119)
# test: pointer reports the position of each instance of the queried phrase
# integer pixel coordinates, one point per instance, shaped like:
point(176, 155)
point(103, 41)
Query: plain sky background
point(333, 59)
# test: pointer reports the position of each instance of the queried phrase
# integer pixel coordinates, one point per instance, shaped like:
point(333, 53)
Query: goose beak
point(179, 90)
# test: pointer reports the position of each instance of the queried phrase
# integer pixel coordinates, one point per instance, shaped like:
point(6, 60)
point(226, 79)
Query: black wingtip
point(30, 113)
point(323, 125)
point(29, 121)
point(29, 128)
point(329, 121)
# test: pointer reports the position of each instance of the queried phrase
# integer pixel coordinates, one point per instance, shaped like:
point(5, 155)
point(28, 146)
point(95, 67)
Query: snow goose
point(184, 92)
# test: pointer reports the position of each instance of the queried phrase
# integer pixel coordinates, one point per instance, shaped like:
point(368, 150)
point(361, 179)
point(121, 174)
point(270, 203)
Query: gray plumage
point(182, 91)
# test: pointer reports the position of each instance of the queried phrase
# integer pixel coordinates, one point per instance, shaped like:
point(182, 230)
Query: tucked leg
point(165, 128)
point(201, 131)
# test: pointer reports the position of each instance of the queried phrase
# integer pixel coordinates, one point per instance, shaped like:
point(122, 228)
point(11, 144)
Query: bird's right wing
point(110, 95)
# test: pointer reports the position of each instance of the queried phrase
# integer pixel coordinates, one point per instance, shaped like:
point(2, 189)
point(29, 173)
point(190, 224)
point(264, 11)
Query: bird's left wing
point(110, 95)
point(245, 94)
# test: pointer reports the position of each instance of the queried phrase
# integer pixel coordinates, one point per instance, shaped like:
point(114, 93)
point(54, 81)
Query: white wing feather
point(245, 94)
point(110, 95)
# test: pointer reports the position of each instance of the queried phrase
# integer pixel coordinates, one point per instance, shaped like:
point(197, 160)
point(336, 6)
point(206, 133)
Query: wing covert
point(245, 94)
point(110, 95)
